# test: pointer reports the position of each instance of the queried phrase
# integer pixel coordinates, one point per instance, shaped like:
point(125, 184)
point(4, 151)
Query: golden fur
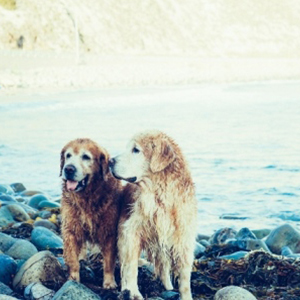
point(160, 211)
point(91, 214)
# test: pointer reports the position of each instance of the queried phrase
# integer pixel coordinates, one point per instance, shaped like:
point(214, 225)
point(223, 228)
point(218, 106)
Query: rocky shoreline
point(257, 264)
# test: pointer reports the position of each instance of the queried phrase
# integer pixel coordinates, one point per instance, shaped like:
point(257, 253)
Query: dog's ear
point(103, 166)
point(62, 161)
point(162, 156)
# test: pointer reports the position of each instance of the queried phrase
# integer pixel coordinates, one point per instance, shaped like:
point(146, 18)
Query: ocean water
point(242, 142)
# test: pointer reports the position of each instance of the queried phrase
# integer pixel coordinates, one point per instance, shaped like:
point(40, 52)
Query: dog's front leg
point(72, 248)
point(109, 255)
point(129, 251)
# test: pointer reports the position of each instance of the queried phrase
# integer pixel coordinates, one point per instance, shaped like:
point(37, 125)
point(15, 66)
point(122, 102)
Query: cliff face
point(217, 28)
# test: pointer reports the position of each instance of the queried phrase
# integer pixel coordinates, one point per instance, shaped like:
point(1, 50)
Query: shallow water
point(241, 140)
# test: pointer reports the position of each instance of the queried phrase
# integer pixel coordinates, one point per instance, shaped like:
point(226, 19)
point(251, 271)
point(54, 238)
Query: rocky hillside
point(215, 28)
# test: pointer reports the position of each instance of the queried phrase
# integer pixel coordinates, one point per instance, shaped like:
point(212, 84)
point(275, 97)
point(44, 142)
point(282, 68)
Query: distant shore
point(47, 72)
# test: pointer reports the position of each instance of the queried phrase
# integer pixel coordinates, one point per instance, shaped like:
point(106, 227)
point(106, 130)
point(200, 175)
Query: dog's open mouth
point(76, 186)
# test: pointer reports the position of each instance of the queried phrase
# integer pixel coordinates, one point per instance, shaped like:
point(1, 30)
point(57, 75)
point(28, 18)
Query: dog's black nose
point(111, 162)
point(70, 170)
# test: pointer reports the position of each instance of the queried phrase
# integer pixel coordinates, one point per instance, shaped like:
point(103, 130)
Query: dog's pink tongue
point(71, 185)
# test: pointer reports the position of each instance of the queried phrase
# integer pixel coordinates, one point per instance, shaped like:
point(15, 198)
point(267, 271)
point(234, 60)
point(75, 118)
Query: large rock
point(7, 199)
point(284, 235)
point(46, 224)
point(6, 189)
point(8, 269)
point(5, 290)
point(18, 187)
point(222, 235)
point(6, 241)
point(45, 239)
point(36, 291)
point(5, 217)
point(21, 249)
point(36, 200)
point(42, 267)
point(48, 204)
point(74, 290)
point(5, 297)
point(233, 293)
point(18, 212)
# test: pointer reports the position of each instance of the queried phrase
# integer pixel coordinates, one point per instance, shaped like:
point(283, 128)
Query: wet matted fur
point(160, 211)
point(90, 206)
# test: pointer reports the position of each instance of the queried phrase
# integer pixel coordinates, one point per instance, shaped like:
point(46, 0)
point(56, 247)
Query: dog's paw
point(109, 284)
point(74, 276)
point(136, 295)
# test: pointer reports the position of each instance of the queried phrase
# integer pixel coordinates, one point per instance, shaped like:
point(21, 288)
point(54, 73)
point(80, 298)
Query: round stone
point(29, 193)
point(48, 204)
point(5, 217)
point(244, 234)
point(18, 212)
point(41, 267)
point(6, 189)
point(36, 200)
point(37, 291)
point(8, 269)
point(6, 241)
point(45, 239)
point(45, 223)
point(18, 187)
point(233, 293)
point(284, 235)
point(261, 233)
point(7, 198)
point(222, 235)
point(199, 249)
point(21, 249)
point(44, 214)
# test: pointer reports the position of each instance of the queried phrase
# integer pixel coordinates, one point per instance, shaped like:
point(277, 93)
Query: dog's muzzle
point(71, 184)
point(111, 164)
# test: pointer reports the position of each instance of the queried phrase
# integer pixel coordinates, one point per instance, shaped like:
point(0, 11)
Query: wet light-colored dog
point(90, 206)
point(160, 211)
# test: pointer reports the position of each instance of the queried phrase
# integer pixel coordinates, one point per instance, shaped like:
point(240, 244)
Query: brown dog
point(160, 211)
point(90, 206)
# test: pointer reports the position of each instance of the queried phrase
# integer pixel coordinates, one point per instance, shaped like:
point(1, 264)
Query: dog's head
point(147, 153)
point(82, 162)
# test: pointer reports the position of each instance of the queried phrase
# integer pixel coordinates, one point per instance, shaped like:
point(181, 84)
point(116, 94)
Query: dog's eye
point(85, 157)
point(68, 155)
point(135, 150)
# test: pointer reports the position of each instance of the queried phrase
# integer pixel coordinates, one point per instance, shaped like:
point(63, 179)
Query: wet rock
point(44, 214)
point(244, 234)
point(202, 237)
point(48, 204)
point(221, 235)
point(235, 256)
point(5, 297)
point(257, 245)
point(18, 212)
point(29, 193)
point(6, 241)
point(7, 199)
point(169, 295)
point(18, 187)
point(199, 250)
point(30, 210)
point(46, 224)
point(36, 200)
point(8, 269)
point(5, 217)
point(75, 290)
point(261, 233)
point(45, 239)
point(5, 290)
point(42, 267)
point(286, 251)
point(233, 293)
point(36, 291)
point(6, 189)
point(204, 243)
point(21, 249)
point(20, 200)
point(284, 235)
